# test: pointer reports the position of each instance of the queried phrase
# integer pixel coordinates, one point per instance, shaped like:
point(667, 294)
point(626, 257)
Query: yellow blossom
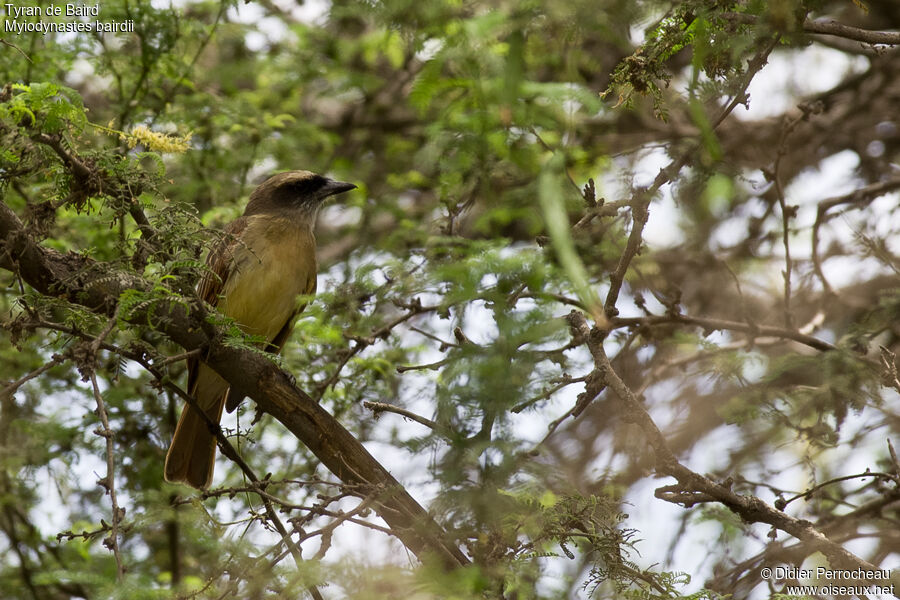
point(155, 141)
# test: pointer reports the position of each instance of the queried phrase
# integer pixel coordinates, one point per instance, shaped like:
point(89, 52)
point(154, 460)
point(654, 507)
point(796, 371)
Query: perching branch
point(65, 276)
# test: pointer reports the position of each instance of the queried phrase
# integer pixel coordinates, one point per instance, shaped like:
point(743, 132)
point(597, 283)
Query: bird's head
point(300, 191)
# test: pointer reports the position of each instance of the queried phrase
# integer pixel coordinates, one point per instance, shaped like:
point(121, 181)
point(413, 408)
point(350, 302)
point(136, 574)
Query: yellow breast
point(274, 263)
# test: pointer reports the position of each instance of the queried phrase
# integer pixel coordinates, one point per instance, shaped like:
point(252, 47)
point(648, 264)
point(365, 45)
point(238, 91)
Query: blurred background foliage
point(467, 126)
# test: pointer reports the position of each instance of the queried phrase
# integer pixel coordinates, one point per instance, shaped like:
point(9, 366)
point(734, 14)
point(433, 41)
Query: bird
point(256, 274)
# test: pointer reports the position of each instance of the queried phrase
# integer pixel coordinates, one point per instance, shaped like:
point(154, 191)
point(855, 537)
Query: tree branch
point(750, 508)
point(254, 375)
point(724, 324)
point(829, 27)
point(380, 407)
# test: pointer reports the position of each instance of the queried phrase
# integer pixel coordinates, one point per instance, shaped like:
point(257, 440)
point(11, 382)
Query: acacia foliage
point(495, 315)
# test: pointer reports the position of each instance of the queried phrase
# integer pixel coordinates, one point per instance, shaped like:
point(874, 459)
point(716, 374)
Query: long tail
point(192, 453)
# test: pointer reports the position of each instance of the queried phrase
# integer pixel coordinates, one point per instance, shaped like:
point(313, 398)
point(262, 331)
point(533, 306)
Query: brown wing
point(213, 280)
point(277, 343)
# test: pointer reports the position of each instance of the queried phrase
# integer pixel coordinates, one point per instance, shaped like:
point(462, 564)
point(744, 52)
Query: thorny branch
point(56, 359)
point(787, 212)
point(641, 198)
point(252, 374)
point(379, 407)
point(702, 489)
point(784, 552)
point(782, 504)
point(413, 309)
point(752, 329)
point(316, 510)
point(694, 487)
point(109, 481)
point(855, 199)
point(257, 486)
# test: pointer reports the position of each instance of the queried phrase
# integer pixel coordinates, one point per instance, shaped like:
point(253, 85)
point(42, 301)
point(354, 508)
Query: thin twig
point(785, 240)
point(787, 213)
point(426, 367)
point(414, 308)
point(431, 336)
point(862, 195)
point(551, 429)
point(564, 381)
point(379, 407)
point(318, 510)
point(109, 482)
point(722, 324)
point(753, 66)
point(816, 260)
point(816, 488)
point(177, 357)
point(12, 387)
point(11, 45)
point(641, 198)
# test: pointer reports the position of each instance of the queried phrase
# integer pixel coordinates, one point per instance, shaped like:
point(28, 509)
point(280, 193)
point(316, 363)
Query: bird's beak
point(335, 187)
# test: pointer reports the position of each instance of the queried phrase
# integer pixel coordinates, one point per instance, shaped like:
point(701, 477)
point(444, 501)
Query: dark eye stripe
point(286, 191)
point(307, 186)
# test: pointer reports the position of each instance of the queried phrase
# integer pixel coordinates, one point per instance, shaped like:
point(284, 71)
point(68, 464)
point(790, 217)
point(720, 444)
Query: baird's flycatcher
point(266, 259)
